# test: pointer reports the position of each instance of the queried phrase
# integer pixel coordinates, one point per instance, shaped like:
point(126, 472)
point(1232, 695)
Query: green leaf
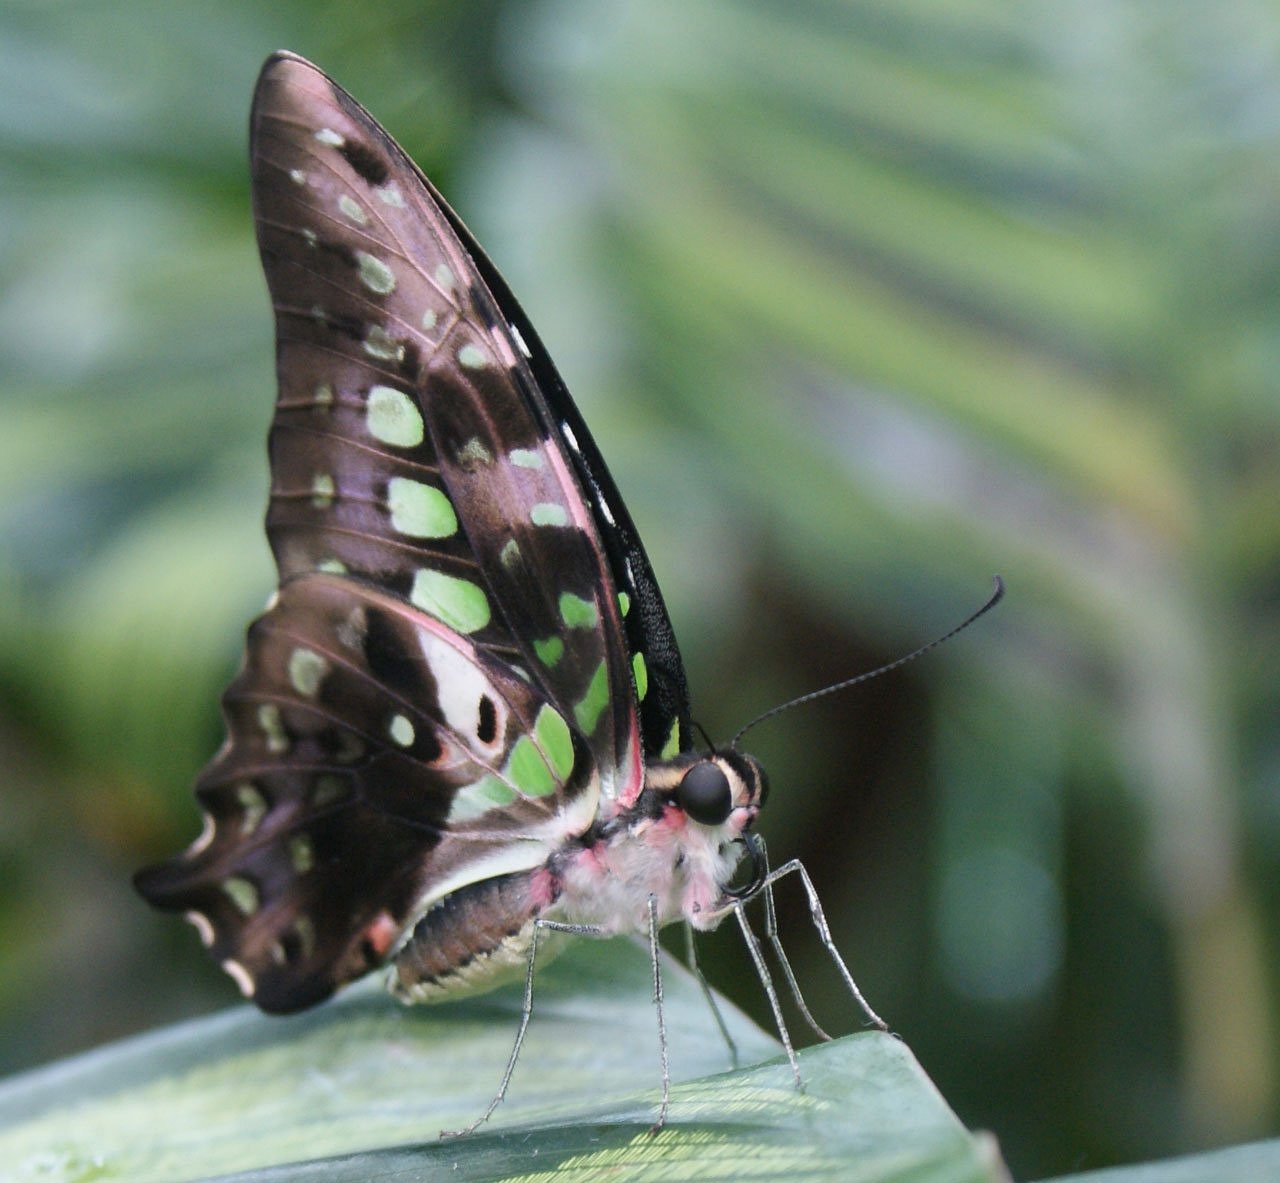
point(359, 1089)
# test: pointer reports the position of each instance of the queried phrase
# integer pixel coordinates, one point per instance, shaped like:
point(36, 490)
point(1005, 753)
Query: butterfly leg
point(771, 933)
point(762, 971)
point(824, 932)
point(691, 956)
point(654, 954)
point(526, 1012)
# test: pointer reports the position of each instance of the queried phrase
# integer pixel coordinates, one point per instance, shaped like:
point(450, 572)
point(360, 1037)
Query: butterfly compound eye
point(704, 794)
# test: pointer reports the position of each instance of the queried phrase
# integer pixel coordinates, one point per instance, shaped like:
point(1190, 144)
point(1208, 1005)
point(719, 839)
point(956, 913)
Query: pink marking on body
point(380, 932)
point(590, 859)
point(675, 817)
point(543, 888)
point(698, 898)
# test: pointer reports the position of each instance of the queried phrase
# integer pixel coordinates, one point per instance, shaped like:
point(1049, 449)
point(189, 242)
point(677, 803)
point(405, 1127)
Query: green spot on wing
point(549, 651)
point(302, 855)
point(351, 209)
point(526, 458)
point(577, 612)
point(459, 603)
point(380, 344)
point(671, 748)
point(392, 417)
point(587, 711)
point(375, 274)
point(390, 194)
point(548, 513)
point(473, 453)
point(552, 732)
point(272, 725)
point(419, 510)
point(322, 490)
point(528, 771)
point(624, 603)
point(306, 670)
point(641, 672)
point(253, 804)
point(490, 792)
point(243, 893)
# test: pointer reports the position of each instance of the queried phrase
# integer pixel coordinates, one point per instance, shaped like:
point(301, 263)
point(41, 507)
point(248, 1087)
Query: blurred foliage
point(864, 300)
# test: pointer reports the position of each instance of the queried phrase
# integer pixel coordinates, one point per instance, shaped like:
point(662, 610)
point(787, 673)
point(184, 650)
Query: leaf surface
point(359, 1089)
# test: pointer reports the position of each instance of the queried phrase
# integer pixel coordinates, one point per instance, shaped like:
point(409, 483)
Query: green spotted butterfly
point(463, 719)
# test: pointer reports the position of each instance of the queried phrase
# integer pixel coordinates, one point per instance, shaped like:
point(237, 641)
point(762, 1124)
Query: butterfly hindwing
point(375, 760)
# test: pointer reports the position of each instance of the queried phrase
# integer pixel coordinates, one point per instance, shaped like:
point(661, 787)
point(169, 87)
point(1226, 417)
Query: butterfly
point(462, 721)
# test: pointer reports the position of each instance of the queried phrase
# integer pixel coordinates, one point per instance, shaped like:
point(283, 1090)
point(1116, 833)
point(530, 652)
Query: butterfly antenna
point(996, 596)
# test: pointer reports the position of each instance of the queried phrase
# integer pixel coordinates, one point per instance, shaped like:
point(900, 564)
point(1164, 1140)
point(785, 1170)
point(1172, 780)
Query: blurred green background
point(864, 301)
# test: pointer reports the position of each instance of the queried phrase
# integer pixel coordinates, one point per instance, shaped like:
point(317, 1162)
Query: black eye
point(704, 794)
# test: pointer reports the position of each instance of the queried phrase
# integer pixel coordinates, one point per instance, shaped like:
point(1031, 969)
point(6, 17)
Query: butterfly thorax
point(656, 848)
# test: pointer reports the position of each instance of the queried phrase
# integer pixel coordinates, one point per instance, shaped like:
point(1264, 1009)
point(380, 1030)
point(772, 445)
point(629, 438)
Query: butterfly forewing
point(411, 446)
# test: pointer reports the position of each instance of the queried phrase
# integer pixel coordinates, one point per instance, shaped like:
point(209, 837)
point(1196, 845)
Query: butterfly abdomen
point(474, 939)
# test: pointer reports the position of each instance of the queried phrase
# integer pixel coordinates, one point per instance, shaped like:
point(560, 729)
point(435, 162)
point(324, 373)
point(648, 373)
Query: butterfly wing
point(456, 570)
point(411, 446)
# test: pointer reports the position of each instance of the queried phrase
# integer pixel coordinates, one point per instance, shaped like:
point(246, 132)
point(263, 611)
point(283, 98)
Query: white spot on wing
point(380, 344)
point(273, 728)
point(570, 438)
point(474, 453)
point(390, 194)
point(460, 684)
point(519, 340)
point(352, 210)
point(200, 922)
point(326, 135)
point(375, 274)
point(201, 843)
point(548, 513)
point(401, 730)
point(322, 490)
point(240, 976)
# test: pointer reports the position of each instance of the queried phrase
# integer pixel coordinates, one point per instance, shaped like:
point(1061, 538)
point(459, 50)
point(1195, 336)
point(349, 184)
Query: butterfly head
point(718, 790)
